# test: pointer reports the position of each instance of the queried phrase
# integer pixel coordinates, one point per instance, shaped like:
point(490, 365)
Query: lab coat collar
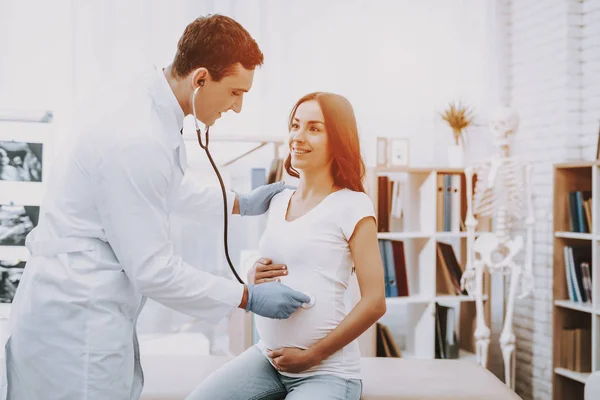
point(171, 111)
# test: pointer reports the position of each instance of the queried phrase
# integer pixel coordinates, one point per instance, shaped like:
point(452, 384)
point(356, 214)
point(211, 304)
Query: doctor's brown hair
point(215, 42)
point(347, 166)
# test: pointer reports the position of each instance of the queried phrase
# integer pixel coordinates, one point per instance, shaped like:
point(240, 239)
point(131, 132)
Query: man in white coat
point(102, 245)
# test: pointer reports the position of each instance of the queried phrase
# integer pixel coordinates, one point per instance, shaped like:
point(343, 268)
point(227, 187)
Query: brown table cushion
point(173, 377)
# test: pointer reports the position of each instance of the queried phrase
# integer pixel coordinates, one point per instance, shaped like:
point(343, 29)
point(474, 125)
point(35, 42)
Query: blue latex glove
point(274, 300)
point(257, 202)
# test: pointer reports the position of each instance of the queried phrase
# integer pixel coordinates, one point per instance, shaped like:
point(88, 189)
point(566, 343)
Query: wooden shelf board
point(576, 376)
point(462, 355)
point(584, 307)
point(419, 170)
point(422, 299)
point(407, 300)
point(403, 235)
point(423, 235)
point(452, 297)
point(466, 355)
point(240, 139)
point(574, 235)
point(580, 164)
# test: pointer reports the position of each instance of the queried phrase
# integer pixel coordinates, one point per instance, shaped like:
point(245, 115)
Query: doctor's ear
point(199, 77)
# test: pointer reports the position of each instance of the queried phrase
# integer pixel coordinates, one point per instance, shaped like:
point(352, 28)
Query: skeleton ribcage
point(506, 192)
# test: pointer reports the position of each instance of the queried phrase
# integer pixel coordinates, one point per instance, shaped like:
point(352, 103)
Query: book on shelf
point(276, 171)
point(390, 194)
point(449, 203)
point(449, 271)
point(578, 273)
point(574, 351)
point(580, 211)
point(394, 267)
point(446, 341)
point(386, 345)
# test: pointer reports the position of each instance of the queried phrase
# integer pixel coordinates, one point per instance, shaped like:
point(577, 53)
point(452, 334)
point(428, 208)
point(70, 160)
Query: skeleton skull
point(504, 125)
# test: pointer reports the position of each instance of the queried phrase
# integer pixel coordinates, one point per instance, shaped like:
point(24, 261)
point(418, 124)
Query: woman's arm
point(369, 272)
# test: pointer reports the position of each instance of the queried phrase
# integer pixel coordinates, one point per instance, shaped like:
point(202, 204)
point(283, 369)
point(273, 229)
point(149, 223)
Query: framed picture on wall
point(382, 152)
point(398, 152)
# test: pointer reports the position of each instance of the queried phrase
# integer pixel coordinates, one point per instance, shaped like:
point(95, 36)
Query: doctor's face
point(216, 98)
point(309, 142)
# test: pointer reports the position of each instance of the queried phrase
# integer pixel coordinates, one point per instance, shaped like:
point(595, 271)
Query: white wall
point(399, 62)
point(553, 80)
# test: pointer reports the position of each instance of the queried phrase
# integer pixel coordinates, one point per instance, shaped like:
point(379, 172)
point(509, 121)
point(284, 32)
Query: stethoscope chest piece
point(312, 301)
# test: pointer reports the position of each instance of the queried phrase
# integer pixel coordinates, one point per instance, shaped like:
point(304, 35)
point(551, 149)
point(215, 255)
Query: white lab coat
point(102, 246)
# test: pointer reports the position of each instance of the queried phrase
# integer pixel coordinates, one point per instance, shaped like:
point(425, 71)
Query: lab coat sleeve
point(202, 203)
point(133, 184)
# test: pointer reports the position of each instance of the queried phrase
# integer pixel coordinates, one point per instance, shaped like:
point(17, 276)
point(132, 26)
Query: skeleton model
point(503, 186)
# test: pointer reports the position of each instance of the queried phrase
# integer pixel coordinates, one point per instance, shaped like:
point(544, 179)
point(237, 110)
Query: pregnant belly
point(302, 329)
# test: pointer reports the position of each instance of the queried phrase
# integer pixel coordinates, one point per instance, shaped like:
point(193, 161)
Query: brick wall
point(553, 80)
point(590, 74)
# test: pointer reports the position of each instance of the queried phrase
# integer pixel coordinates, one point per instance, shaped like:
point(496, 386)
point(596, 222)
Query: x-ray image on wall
point(10, 276)
point(21, 161)
point(16, 222)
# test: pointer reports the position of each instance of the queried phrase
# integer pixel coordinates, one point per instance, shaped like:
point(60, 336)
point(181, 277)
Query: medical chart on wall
point(16, 221)
point(24, 167)
point(21, 161)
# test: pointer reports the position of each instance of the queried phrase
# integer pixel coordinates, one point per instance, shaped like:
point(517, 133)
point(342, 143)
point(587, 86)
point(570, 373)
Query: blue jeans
point(250, 376)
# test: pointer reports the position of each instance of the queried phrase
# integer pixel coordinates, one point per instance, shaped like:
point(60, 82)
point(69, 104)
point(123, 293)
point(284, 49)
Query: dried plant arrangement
point(459, 117)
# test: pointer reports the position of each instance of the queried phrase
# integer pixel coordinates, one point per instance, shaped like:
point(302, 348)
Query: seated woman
point(315, 238)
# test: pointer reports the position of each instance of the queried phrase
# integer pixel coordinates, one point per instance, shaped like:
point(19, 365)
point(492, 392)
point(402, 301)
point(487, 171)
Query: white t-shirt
point(315, 249)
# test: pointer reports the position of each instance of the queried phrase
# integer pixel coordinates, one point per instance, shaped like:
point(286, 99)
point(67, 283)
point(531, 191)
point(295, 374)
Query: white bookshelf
point(418, 230)
point(568, 383)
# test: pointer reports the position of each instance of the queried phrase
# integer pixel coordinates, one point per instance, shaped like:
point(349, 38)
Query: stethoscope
point(212, 162)
point(204, 146)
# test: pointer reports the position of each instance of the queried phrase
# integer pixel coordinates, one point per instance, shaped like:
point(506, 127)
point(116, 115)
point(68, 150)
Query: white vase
point(456, 156)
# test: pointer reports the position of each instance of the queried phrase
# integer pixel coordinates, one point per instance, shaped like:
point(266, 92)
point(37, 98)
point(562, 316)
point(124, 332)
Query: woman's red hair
point(347, 166)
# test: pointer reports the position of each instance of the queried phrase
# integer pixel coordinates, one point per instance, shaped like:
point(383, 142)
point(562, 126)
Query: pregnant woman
point(316, 237)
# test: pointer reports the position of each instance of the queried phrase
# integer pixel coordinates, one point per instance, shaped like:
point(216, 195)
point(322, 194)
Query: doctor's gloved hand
point(274, 300)
point(257, 202)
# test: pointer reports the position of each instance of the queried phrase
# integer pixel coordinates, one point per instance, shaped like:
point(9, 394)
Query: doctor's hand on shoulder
point(272, 300)
point(257, 201)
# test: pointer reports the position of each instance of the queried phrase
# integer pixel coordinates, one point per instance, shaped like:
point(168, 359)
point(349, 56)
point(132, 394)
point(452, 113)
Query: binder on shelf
point(390, 270)
point(394, 266)
point(383, 213)
point(449, 203)
point(400, 268)
point(440, 203)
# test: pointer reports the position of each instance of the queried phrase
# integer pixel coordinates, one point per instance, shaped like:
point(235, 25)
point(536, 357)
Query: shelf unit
point(568, 383)
point(418, 230)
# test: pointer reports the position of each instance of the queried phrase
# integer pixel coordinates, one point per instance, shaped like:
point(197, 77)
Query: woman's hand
point(292, 359)
point(264, 271)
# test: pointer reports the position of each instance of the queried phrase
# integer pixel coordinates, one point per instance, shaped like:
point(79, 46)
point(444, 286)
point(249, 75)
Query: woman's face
point(309, 142)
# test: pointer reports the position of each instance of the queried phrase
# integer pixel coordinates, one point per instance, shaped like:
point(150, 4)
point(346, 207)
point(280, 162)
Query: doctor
point(102, 245)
